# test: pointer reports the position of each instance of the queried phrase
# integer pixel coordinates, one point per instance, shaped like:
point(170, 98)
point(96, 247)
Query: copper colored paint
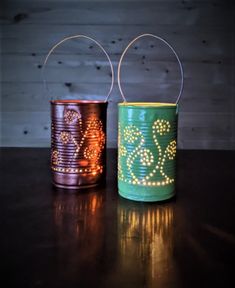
point(78, 142)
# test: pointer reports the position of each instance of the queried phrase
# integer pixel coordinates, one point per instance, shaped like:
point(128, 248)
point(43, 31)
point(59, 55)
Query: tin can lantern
point(147, 136)
point(78, 137)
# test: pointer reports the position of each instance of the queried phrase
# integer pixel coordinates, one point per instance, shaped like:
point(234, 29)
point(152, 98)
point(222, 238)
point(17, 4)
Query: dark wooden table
point(94, 238)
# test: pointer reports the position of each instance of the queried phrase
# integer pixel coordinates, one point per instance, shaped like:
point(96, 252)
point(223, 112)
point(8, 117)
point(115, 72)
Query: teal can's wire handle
point(172, 49)
point(75, 37)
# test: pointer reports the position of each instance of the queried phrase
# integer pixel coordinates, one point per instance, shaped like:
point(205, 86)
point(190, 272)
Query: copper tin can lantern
point(147, 144)
point(78, 137)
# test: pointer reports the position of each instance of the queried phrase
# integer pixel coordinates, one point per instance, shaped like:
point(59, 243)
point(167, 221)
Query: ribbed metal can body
point(147, 151)
point(78, 142)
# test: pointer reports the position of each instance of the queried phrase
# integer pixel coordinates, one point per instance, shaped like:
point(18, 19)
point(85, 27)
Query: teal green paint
point(146, 151)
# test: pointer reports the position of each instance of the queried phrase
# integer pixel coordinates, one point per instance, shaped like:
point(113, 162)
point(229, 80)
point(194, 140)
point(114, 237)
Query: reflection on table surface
point(77, 215)
point(79, 230)
point(97, 239)
point(134, 243)
point(145, 243)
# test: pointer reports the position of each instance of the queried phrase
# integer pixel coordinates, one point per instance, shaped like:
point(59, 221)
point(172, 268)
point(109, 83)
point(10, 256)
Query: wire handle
point(172, 49)
point(73, 37)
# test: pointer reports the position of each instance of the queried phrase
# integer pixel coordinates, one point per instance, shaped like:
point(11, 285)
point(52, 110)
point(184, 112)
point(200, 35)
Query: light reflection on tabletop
point(145, 242)
point(78, 213)
point(133, 241)
point(79, 230)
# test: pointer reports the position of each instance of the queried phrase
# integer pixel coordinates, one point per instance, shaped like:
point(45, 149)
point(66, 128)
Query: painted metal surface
point(147, 151)
point(147, 141)
point(78, 140)
point(78, 134)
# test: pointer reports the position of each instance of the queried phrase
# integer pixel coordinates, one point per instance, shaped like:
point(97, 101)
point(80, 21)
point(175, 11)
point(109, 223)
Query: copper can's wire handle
point(172, 49)
point(74, 37)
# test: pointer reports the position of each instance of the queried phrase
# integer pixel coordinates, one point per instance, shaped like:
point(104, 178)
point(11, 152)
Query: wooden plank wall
point(201, 31)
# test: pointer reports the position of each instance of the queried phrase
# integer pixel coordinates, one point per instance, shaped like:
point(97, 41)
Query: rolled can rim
point(76, 102)
point(147, 104)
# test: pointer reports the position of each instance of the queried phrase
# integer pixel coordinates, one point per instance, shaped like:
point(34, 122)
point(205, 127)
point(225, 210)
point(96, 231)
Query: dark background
point(202, 32)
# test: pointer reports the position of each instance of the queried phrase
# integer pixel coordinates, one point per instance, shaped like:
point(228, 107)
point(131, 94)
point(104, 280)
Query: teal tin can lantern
point(147, 141)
